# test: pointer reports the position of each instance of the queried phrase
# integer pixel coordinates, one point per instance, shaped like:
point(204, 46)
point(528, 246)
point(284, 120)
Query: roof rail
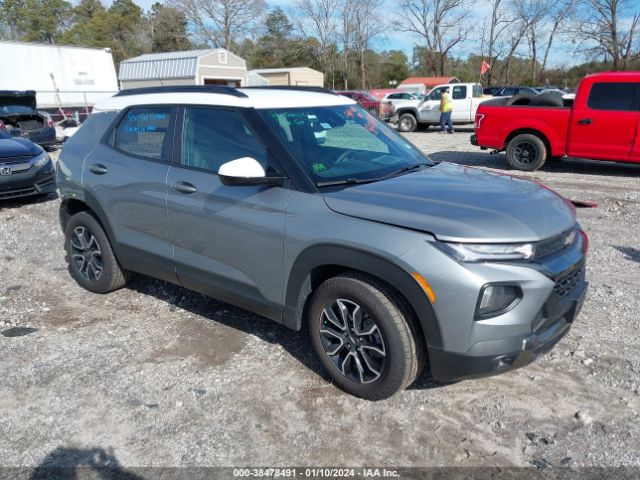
point(219, 89)
point(292, 87)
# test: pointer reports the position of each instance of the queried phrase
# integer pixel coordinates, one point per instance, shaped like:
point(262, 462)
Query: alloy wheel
point(86, 254)
point(525, 153)
point(352, 341)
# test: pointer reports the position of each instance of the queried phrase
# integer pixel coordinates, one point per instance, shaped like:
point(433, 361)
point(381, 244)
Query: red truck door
point(604, 123)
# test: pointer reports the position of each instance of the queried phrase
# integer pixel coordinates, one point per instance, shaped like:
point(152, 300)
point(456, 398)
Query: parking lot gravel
point(155, 375)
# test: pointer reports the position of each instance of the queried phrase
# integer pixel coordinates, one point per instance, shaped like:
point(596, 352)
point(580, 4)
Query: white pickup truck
point(465, 97)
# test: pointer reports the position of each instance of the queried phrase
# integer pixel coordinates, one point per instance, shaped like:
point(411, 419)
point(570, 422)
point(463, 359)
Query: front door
point(461, 103)
point(228, 240)
point(604, 122)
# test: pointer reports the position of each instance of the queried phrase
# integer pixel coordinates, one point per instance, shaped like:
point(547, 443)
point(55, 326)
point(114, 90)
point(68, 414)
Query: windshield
point(14, 109)
point(343, 144)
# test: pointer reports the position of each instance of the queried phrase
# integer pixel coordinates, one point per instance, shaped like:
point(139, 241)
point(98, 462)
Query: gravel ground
point(155, 375)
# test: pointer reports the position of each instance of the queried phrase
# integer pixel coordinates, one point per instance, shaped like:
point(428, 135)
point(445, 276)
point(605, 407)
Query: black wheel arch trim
point(299, 284)
point(92, 206)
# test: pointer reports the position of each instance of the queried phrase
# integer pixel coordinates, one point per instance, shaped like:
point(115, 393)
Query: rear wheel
point(407, 122)
point(526, 152)
point(92, 262)
point(363, 336)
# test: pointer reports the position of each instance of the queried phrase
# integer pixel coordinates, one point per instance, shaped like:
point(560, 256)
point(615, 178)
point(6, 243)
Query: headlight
point(41, 160)
point(479, 252)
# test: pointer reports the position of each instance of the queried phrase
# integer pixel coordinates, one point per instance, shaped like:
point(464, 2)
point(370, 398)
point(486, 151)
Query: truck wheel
point(363, 336)
point(92, 262)
point(526, 152)
point(407, 122)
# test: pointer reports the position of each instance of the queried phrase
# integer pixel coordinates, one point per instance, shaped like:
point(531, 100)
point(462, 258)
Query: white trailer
point(71, 78)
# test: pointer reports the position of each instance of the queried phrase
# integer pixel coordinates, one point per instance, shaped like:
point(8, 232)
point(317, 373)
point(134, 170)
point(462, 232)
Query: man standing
point(445, 111)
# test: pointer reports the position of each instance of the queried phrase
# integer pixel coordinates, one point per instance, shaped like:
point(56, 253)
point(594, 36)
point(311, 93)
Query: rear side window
point(459, 92)
point(143, 132)
point(612, 96)
point(213, 136)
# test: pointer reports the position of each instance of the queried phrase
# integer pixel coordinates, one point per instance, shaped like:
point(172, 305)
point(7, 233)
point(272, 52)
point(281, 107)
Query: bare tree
point(542, 19)
point(516, 35)
point(368, 25)
point(441, 24)
point(221, 22)
point(602, 32)
point(320, 21)
point(346, 36)
point(493, 35)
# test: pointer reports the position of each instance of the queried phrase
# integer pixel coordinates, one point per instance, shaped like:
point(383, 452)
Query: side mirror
point(246, 171)
point(16, 132)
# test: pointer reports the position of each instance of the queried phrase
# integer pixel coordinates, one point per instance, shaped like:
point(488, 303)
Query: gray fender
point(299, 284)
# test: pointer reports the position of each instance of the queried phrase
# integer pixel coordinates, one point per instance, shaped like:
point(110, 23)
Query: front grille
point(15, 160)
point(568, 282)
point(22, 192)
point(555, 244)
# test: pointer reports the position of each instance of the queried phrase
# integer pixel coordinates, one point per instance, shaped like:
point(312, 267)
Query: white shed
point(193, 67)
point(297, 76)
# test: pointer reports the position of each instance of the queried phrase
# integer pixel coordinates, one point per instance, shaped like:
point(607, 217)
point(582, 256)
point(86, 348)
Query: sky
point(562, 54)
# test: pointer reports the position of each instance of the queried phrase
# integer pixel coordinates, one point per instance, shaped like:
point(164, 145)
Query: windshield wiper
point(358, 181)
point(409, 168)
point(346, 181)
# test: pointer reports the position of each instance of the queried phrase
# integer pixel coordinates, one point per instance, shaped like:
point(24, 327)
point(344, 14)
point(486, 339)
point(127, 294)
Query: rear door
point(229, 240)
point(604, 121)
point(126, 177)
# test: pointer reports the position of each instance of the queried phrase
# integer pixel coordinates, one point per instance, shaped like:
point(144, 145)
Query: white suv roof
point(225, 96)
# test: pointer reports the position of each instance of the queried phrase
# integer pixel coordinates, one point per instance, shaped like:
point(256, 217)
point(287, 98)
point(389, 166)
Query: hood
point(18, 147)
point(456, 203)
point(25, 98)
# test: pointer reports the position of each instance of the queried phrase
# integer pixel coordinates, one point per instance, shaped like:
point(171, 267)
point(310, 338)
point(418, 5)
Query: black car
point(25, 168)
point(511, 91)
point(491, 90)
point(18, 111)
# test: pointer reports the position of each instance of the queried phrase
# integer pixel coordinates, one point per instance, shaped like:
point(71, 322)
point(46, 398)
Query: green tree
point(168, 29)
point(278, 24)
point(43, 20)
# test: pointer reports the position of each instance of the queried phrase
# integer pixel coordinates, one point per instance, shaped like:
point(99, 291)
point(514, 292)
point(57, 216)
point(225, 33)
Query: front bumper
point(498, 356)
point(34, 181)
point(394, 118)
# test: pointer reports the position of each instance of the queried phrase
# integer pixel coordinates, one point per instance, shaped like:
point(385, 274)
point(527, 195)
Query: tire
point(526, 152)
point(91, 260)
point(392, 357)
point(549, 99)
point(520, 99)
point(407, 122)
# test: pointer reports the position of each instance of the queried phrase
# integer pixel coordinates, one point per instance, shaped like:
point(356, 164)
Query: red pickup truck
point(601, 123)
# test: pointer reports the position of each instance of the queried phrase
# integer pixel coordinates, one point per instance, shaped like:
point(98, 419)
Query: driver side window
point(435, 94)
point(214, 136)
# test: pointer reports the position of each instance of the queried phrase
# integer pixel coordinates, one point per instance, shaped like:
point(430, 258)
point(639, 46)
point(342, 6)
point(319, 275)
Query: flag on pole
point(484, 68)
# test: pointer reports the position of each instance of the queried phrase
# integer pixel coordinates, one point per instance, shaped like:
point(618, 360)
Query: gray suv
point(298, 205)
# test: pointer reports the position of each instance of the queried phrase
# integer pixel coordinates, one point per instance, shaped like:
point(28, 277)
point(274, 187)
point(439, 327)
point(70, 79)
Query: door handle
point(584, 121)
point(98, 169)
point(185, 187)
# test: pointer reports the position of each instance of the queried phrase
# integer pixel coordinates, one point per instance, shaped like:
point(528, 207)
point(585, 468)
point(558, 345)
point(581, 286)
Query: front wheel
point(407, 122)
point(363, 336)
point(526, 152)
